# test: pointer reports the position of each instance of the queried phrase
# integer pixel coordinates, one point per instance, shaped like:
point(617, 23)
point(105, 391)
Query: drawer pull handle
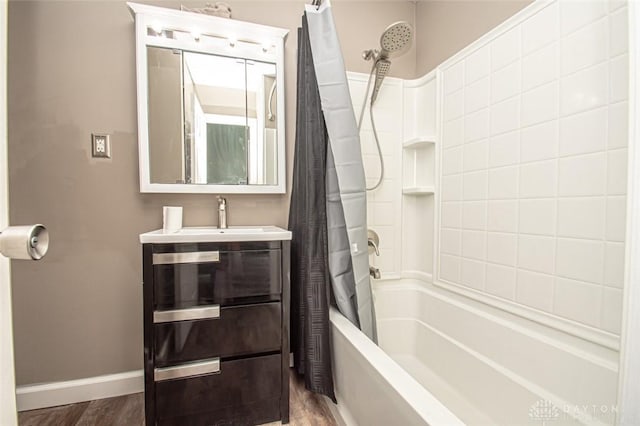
point(193, 369)
point(206, 312)
point(189, 257)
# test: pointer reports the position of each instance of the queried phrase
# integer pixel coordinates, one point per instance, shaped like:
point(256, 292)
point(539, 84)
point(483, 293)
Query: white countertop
point(211, 234)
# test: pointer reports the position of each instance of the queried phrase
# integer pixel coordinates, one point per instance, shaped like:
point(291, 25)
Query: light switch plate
point(100, 145)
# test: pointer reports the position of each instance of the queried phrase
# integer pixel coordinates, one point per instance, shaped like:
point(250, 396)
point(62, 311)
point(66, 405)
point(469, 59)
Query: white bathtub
point(445, 360)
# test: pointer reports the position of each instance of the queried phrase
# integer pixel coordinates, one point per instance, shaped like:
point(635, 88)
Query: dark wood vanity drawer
point(224, 277)
point(239, 330)
point(245, 391)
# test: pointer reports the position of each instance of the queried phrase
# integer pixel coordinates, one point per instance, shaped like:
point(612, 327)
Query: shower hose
point(373, 127)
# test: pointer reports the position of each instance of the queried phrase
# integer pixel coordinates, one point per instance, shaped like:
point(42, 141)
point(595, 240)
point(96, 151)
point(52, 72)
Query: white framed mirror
point(210, 103)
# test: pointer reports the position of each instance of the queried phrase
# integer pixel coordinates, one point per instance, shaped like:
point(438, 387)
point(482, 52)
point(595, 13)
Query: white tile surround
point(534, 158)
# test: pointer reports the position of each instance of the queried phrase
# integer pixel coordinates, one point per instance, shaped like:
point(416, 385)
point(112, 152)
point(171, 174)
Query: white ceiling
point(221, 71)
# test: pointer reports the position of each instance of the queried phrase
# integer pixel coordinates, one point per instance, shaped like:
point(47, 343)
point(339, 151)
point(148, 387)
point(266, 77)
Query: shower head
point(396, 38)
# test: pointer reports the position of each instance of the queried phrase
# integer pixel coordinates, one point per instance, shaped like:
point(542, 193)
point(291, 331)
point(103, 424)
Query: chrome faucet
point(222, 212)
point(373, 241)
point(373, 245)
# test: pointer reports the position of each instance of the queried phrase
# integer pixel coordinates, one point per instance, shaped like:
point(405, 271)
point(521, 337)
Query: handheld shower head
point(382, 69)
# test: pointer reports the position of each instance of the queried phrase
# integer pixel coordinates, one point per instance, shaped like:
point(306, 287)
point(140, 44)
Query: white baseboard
point(31, 397)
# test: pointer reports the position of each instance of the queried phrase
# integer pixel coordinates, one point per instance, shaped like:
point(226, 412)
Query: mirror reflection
point(212, 119)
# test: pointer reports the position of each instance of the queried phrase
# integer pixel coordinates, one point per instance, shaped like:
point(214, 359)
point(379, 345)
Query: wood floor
point(306, 409)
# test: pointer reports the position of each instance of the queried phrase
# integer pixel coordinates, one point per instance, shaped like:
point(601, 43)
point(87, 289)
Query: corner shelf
point(420, 142)
point(418, 155)
point(419, 146)
point(418, 190)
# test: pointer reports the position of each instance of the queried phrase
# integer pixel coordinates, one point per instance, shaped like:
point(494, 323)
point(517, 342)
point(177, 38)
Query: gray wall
point(444, 27)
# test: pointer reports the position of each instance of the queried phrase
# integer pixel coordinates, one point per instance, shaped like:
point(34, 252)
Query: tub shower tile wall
point(384, 203)
point(534, 159)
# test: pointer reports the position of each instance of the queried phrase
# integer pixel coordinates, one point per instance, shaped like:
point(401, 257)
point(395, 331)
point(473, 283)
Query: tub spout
point(374, 272)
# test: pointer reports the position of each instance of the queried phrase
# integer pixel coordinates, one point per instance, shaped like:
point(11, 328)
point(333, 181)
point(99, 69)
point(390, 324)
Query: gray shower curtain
point(328, 204)
point(310, 280)
point(346, 186)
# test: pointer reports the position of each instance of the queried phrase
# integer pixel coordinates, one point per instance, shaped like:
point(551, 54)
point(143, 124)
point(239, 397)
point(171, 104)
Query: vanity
point(210, 95)
point(216, 326)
